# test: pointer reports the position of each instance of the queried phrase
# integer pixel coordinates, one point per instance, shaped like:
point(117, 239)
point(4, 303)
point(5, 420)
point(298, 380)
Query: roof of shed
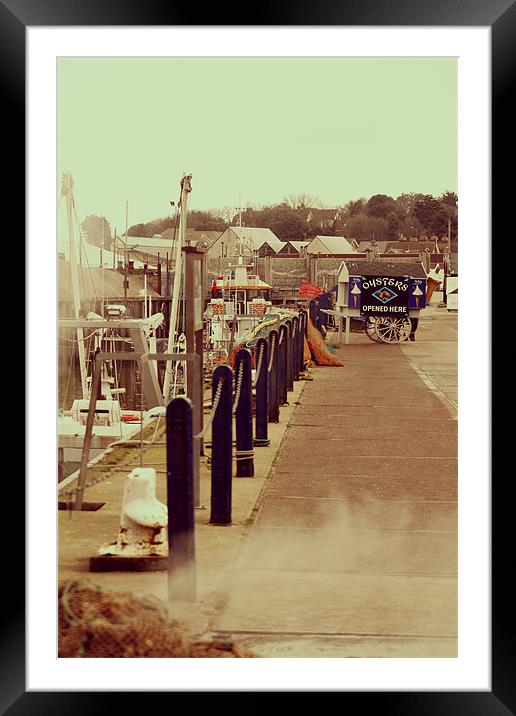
point(95, 282)
point(334, 244)
point(414, 269)
point(258, 236)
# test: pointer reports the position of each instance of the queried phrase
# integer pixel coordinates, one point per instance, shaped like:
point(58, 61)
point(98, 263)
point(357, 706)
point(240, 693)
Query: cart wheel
point(370, 328)
point(393, 330)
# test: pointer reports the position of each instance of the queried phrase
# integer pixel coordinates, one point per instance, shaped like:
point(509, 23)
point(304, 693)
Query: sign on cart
point(384, 296)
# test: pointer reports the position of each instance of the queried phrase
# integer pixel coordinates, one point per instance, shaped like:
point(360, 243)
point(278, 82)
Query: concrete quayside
point(344, 543)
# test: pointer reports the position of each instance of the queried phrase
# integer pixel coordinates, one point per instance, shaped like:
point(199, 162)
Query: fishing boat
point(239, 301)
point(94, 333)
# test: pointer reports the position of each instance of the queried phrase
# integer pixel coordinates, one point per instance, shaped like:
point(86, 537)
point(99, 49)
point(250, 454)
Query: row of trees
point(409, 216)
point(380, 217)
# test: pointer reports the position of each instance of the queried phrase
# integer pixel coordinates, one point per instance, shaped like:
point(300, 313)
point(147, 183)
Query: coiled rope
point(259, 365)
point(215, 405)
point(238, 386)
point(273, 348)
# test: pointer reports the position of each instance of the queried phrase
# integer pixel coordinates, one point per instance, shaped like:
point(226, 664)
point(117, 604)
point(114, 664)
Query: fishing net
point(318, 348)
point(306, 352)
point(93, 623)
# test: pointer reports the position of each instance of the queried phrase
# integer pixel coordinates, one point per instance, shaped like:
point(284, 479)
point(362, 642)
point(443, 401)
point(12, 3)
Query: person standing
point(414, 322)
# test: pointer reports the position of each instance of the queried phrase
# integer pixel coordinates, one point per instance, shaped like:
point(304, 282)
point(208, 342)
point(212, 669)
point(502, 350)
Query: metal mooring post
point(244, 415)
point(221, 446)
point(295, 351)
point(282, 365)
point(182, 578)
point(273, 377)
point(312, 307)
point(262, 406)
point(288, 351)
point(301, 345)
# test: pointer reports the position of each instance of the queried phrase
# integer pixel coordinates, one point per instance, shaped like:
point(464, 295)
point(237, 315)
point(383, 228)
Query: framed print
point(49, 51)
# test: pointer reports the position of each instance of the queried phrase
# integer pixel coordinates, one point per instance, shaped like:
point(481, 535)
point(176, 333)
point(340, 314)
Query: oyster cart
point(381, 296)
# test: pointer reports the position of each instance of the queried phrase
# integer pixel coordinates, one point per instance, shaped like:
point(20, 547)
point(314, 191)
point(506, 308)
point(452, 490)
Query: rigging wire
point(82, 247)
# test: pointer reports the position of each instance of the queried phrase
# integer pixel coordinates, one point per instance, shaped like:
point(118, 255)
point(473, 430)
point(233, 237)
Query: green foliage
point(431, 215)
point(97, 231)
point(450, 198)
point(405, 203)
point(287, 223)
point(364, 227)
point(354, 207)
point(380, 205)
point(380, 217)
point(205, 221)
point(393, 226)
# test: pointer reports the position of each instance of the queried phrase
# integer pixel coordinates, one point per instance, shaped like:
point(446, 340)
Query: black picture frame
point(500, 16)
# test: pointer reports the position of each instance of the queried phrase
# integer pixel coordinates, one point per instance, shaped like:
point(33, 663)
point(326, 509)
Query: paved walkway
point(354, 551)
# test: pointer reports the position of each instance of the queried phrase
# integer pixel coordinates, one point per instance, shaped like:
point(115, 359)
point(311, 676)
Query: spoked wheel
point(370, 329)
point(393, 330)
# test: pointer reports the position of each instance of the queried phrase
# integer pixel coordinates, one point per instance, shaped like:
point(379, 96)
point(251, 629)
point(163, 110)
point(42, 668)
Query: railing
point(278, 361)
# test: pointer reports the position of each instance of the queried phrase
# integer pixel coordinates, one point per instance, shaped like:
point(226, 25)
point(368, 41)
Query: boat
point(239, 301)
point(96, 333)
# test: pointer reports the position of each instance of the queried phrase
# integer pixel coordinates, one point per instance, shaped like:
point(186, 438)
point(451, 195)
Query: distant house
point(321, 218)
point(93, 256)
point(263, 242)
point(96, 283)
point(403, 246)
point(146, 249)
point(381, 246)
point(330, 245)
point(293, 248)
point(194, 237)
point(143, 248)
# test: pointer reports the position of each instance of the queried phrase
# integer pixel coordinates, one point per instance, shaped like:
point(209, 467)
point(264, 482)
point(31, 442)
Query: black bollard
point(282, 365)
point(273, 377)
point(222, 446)
point(288, 350)
point(313, 308)
point(261, 353)
point(295, 349)
point(301, 345)
point(182, 579)
point(244, 414)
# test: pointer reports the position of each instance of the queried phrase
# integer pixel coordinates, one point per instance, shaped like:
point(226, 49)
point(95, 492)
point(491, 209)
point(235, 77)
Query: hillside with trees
point(300, 218)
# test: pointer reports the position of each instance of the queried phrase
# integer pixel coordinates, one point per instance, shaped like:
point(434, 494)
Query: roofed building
point(330, 246)
point(293, 248)
point(263, 242)
point(321, 218)
point(98, 285)
point(146, 249)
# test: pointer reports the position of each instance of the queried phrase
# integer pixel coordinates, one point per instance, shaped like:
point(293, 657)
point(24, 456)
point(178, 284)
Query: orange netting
point(96, 623)
point(318, 348)
point(306, 351)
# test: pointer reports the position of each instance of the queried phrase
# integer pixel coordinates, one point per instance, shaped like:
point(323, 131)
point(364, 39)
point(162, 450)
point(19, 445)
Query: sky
point(253, 130)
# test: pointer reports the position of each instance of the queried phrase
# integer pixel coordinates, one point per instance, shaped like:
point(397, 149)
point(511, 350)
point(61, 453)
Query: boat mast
point(67, 191)
point(186, 188)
